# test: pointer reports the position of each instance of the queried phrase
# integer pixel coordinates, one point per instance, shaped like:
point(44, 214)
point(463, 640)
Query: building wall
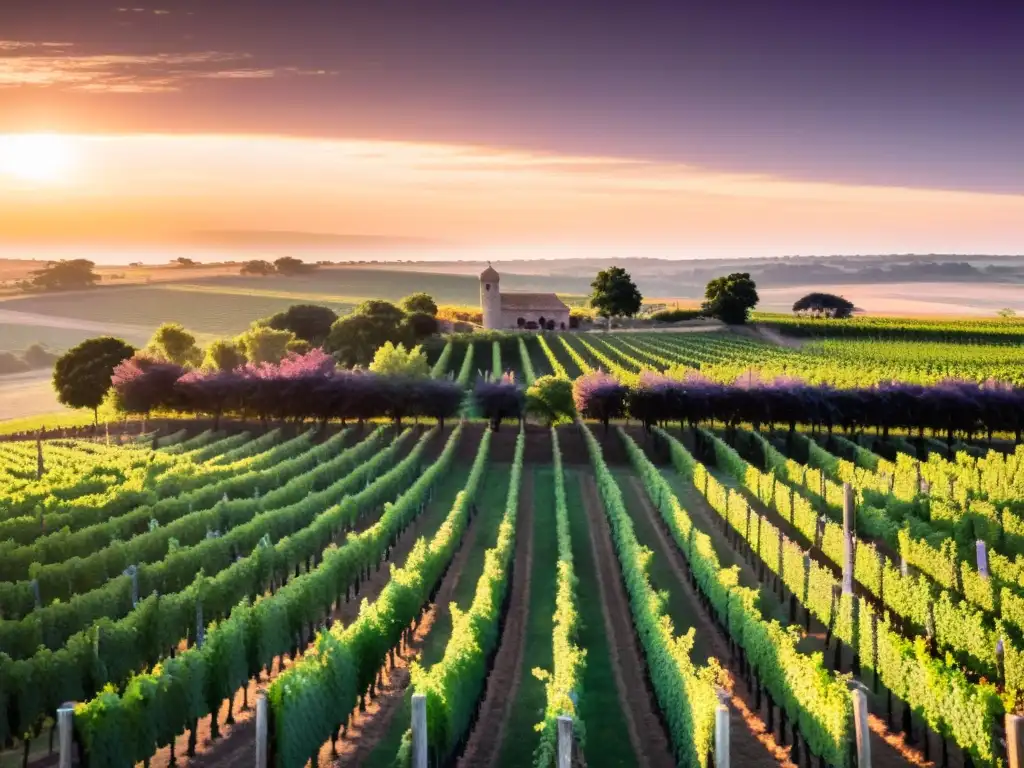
point(490, 305)
point(510, 318)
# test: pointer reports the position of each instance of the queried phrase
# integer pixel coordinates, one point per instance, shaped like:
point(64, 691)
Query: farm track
point(366, 729)
point(502, 684)
point(888, 747)
point(750, 742)
point(236, 745)
point(645, 732)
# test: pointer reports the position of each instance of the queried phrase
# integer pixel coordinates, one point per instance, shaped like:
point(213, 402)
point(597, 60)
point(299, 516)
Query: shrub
point(676, 315)
point(38, 356)
point(550, 398)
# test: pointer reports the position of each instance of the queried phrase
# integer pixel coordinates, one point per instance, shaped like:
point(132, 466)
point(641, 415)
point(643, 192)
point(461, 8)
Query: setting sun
point(37, 157)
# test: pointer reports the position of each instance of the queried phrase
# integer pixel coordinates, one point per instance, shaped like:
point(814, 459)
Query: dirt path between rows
point(366, 729)
point(750, 741)
point(502, 684)
point(236, 746)
point(646, 734)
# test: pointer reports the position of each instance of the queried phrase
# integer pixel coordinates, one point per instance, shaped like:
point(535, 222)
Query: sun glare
point(43, 158)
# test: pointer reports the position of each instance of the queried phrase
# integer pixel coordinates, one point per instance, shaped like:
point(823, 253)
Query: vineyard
point(843, 362)
point(191, 594)
point(731, 551)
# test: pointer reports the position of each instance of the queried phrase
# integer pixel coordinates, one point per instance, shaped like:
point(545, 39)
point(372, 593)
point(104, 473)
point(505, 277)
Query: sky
point(672, 128)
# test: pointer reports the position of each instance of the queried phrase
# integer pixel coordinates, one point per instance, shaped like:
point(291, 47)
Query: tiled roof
point(540, 302)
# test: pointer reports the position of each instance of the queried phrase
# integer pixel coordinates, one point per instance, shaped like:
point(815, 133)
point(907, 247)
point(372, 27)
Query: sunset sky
point(674, 128)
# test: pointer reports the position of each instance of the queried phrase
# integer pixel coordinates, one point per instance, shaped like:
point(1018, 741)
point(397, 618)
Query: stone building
point(514, 310)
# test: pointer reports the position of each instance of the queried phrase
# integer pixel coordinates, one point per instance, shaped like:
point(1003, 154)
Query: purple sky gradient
point(895, 93)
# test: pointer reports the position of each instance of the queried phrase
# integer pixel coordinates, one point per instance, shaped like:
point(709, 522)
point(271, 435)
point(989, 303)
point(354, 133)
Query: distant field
point(28, 394)
point(394, 284)
point(18, 337)
point(908, 299)
point(207, 313)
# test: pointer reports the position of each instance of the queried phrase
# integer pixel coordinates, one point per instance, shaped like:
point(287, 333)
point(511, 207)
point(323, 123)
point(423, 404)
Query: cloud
point(29, 64)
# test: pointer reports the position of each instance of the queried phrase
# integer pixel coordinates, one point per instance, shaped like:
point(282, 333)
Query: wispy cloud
point(154, 11)
point(29, 64)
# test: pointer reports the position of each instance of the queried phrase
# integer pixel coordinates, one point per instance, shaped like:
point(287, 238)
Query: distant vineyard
point(729, 358)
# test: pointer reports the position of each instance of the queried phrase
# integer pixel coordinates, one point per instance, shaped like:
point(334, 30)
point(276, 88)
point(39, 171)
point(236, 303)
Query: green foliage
point(253, 635)
point(355, 338)
point(563, 685)
point(257, 267)
point(262, 344)
point(454, 685)
point(224, 355)
point(824, 305)
point(418, 325)
point(309, 322)
point(289, 265)
point(392, 360)
point(441, 366)
point(730, 298)
point(936, 688)
point(173, 343)
point(675, 315)
point(466, 370)
point(315, 695)
point(65, 275)
point(527, 364)
point(550, 398)
point(800, 684)
point(685, 693)
point(556, 366)
point(420, 302)
point(615, 294)
point(82, 374)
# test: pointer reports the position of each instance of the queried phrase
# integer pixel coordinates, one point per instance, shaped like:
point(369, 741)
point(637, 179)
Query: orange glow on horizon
point(146, 187)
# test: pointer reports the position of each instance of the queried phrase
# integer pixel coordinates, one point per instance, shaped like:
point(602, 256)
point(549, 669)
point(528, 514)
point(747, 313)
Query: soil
point(750, 742)
point(645, 732)
point(366, 729)
point(502, 683)
point(888, 747)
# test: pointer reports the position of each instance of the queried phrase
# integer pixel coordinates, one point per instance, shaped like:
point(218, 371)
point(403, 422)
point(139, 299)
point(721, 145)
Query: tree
point(615, 294)
point(1006, 313)
point(730, 298)
point(182, 261)
point(65, 275)
point(397, 360)
point(173, 343)
point(38, 356)
point(418, 326)
point(82, 375)
point(265, 345)
point(824, 304)
point(355, 337)
point(224, 355)
point(257, 267)
point(420, 302)
point(289, 265)
point(550, 398)
point(308, 322)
